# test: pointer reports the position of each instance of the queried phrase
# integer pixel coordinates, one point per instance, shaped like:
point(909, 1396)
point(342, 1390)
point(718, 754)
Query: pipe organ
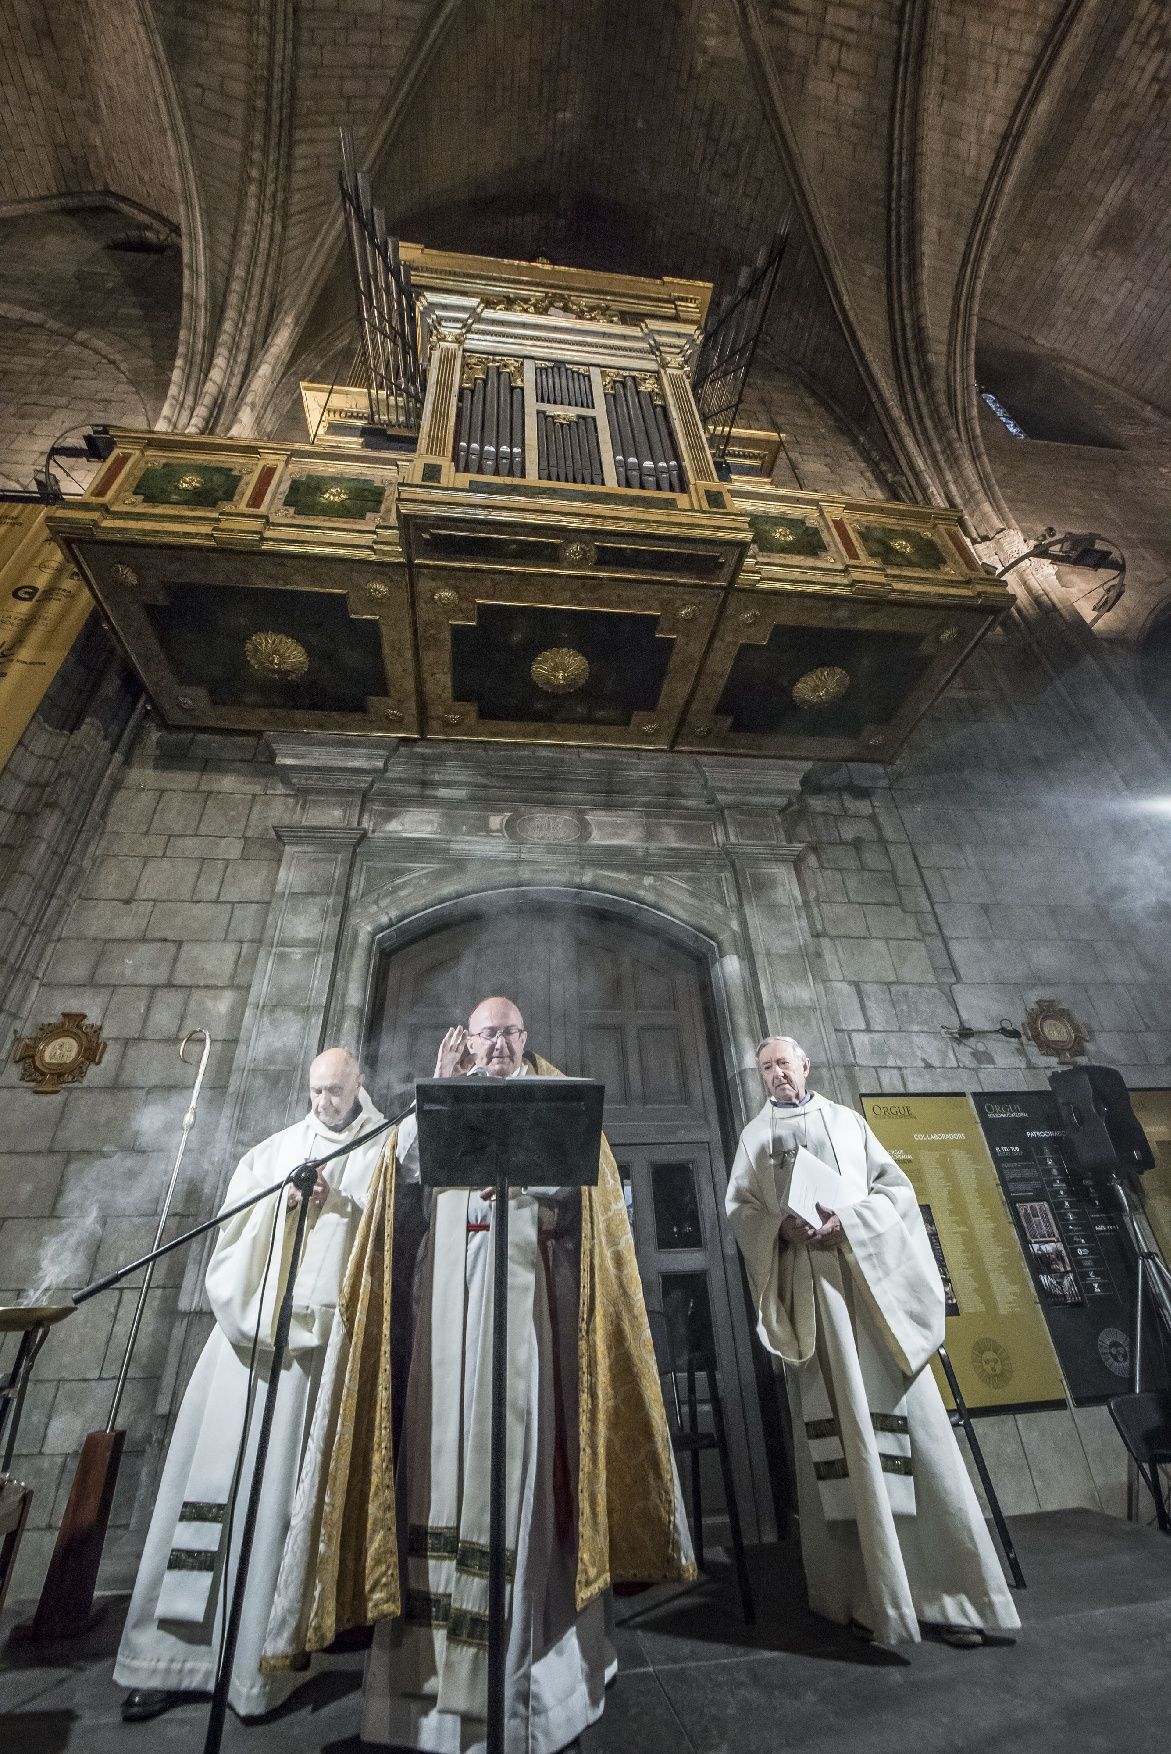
point(544, 552)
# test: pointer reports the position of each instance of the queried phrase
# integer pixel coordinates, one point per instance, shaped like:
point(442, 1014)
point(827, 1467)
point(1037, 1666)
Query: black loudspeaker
point(1103, 1134)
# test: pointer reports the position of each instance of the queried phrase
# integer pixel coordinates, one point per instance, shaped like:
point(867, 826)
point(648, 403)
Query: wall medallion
point(59, 1053)
point(560, 670)
point(546, 827)
point(276, 655)
point(822, 686)
point(1055, 1031)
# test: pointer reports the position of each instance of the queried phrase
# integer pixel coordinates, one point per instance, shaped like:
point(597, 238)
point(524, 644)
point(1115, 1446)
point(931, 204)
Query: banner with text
point(996, 1335)
point(43, 608)
point(1070, 1237)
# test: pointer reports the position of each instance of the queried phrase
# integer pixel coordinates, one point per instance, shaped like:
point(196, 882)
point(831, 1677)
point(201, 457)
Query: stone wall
point(87, 333)
point(160, 937)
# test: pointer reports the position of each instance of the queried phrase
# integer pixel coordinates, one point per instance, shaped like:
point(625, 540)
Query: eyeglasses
point(508, 1033)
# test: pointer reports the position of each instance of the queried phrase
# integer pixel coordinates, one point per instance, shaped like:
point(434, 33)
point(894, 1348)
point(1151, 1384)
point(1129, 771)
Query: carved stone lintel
point(306, 835)
point(322, 763)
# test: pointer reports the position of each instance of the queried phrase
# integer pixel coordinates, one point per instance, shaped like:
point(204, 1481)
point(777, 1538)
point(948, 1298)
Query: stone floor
point(1089, 1673)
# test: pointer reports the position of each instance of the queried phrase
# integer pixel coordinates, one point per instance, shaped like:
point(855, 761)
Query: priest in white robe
point(892, 1536)
point(592, 1494)
point(174, 1628)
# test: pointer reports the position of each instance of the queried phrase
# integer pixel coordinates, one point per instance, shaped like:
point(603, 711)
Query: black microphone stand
point(304, 1179)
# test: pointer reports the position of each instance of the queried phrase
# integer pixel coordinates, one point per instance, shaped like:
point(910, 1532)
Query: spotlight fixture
point(97, 444)
point(1085, 549)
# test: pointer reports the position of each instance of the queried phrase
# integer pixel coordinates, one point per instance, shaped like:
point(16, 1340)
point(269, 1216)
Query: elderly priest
point(175, 1624)
point(592, 1496)
point(849, 1296)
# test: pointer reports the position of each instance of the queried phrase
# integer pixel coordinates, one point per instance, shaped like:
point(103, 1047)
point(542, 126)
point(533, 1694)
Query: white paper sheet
point(813, 1182)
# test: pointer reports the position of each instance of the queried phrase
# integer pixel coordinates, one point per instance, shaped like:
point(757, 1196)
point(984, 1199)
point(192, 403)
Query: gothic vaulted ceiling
point(939, 163)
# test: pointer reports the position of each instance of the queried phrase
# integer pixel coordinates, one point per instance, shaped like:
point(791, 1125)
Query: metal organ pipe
point(503, 423)
point(490, 431)
point(476, 429)
point(518, 430)
point(465, 421)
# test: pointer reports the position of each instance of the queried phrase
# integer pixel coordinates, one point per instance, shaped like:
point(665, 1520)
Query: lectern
point(505, 1133)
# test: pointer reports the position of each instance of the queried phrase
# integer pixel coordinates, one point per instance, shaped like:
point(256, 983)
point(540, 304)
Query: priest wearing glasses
point(591, 1491)
point(849, 1296)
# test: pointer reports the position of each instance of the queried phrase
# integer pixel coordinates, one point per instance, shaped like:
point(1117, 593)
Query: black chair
point(1144, 1425)
point(687, 1439)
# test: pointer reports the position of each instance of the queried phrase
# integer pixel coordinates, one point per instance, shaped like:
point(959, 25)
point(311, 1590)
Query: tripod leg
point(747, 1605)
point(219, 1699)
point(1002, 1530)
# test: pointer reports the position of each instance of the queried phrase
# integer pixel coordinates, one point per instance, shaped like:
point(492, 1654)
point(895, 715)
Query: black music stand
point(505, 1133)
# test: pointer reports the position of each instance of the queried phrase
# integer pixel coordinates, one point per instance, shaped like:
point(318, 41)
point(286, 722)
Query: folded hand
point(830, 1235)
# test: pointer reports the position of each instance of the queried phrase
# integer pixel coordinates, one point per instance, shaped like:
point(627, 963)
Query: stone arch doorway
point(608, 998)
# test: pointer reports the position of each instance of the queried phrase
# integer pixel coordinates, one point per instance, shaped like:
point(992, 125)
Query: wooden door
point(607, 1000)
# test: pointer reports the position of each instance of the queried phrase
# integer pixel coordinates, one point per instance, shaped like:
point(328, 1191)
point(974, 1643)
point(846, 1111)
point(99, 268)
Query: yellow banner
point(1153, 1109)
point(997, 1339)
point(43, 607)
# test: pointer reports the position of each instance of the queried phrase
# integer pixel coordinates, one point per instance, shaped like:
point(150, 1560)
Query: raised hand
point(452, 1049)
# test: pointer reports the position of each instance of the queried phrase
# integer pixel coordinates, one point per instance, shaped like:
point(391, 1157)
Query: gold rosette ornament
point(277, 656)
point(560, 670)
point(822, 686)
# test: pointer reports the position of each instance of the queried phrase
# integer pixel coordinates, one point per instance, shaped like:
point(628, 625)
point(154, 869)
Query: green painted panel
point(195, 484)
point(777, 534)
point(898, 546)
point(335, 496)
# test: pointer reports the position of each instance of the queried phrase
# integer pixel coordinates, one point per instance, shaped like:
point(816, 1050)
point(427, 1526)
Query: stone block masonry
point(160, 938)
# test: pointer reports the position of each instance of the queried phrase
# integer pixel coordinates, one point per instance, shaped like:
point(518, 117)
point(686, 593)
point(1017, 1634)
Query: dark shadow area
point(39, 1732)
point(317, 1694)
point(1154, 667)
point(1045, 396)
point(99, 1644)
point(703, 1623)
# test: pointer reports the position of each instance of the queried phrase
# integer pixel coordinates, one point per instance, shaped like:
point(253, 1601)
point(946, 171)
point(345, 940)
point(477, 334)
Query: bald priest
point(175, 1624)
point(847, 1293)
point(401, 1541)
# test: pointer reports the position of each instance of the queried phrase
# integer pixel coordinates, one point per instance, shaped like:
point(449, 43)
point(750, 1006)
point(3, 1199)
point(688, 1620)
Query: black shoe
point(959, 1637)
point(147, 1702)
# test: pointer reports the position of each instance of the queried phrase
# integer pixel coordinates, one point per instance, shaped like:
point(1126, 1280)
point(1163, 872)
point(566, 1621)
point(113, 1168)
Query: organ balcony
point(551, 557)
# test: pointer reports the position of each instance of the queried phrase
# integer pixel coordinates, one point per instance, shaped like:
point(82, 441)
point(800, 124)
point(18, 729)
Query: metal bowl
point(15, 1318)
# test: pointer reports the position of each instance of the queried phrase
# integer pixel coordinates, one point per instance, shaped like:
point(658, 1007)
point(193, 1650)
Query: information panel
point(1070, 1239)
point(1153, 1109)
point(996, 1335)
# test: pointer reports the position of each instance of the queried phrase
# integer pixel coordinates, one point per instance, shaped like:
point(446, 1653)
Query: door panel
point(678, 1236)
point(603, 999)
